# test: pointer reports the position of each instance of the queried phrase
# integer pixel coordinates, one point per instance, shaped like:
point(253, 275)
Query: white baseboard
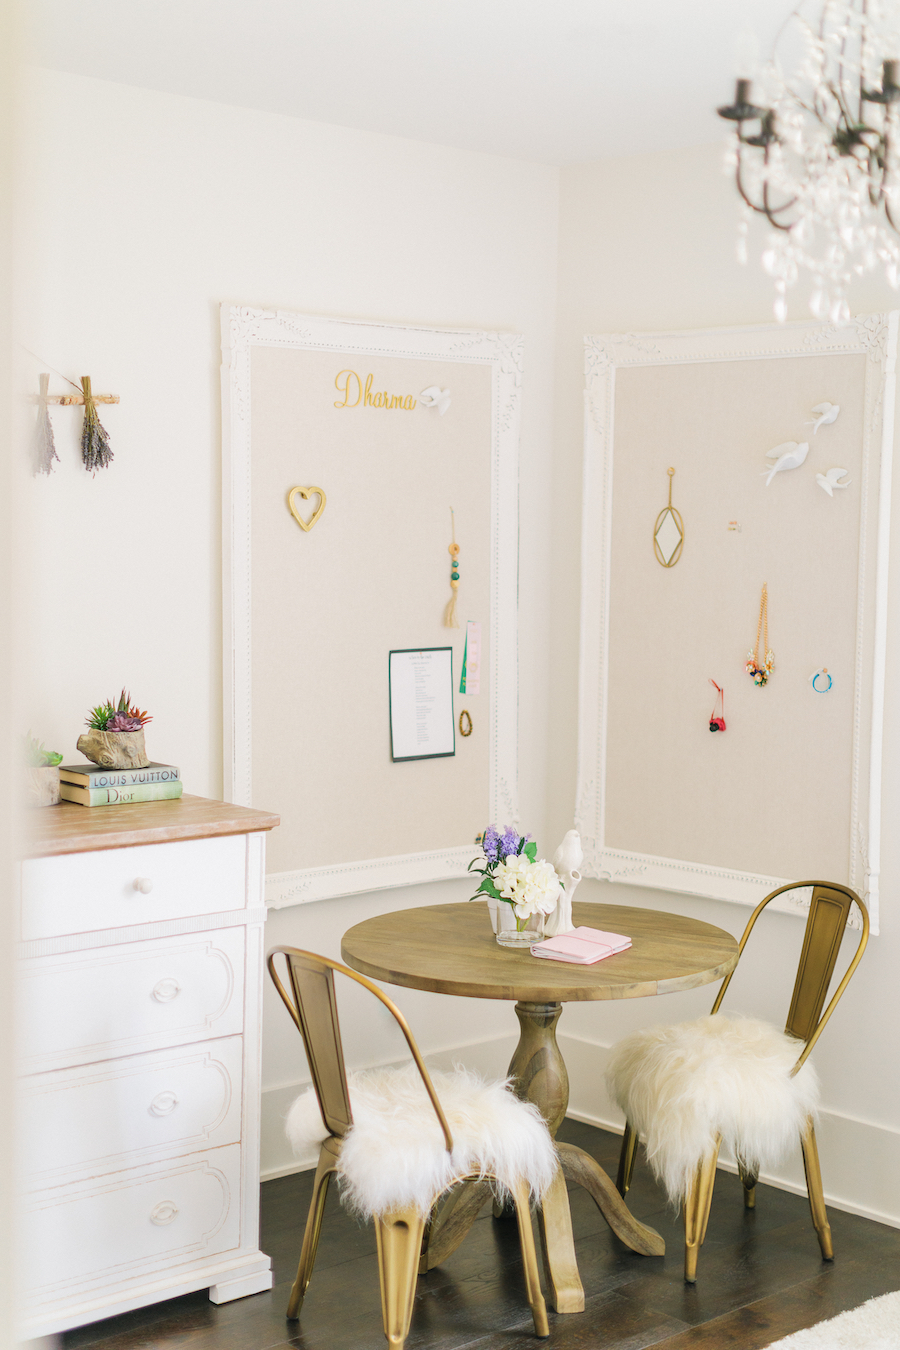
point(860, 1159)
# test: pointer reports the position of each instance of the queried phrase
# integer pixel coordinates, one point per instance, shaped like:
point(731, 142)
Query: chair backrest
point(312, 1004)
point(829, 909)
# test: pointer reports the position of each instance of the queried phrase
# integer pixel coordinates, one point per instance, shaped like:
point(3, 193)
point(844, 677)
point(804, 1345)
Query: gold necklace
point(761, 673)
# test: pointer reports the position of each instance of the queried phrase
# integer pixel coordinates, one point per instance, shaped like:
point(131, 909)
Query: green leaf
point(530, 851)
point(490, 889)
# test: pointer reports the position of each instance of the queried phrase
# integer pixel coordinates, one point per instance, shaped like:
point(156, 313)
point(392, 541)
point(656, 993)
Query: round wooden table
point(450, 949)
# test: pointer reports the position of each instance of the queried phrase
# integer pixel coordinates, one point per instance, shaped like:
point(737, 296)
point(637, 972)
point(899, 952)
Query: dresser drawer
point(115, 1229)
point(83, 892)
point(87, 1006)
point(128, 1112)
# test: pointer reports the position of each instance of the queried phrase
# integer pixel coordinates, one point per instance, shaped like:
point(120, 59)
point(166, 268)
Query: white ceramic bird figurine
point(827, 414)
point(566, 860)
point(788, 455)
point(435, 397)
point(829, 481)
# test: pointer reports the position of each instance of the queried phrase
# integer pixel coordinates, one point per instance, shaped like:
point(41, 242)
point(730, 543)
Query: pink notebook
point(581, 947)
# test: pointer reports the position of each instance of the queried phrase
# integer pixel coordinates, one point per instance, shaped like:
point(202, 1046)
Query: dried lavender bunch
point(95, 450)
point(43, 448)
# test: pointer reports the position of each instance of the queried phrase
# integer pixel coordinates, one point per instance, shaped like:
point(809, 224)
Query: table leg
point(540, 1073)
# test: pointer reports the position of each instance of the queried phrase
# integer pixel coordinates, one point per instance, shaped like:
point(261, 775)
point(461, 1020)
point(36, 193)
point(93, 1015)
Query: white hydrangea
point(533, 887)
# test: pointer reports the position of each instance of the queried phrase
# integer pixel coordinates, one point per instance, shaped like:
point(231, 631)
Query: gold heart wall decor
point(306, 493)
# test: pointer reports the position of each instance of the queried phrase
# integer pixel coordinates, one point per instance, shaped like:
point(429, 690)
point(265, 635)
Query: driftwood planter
point(114, 749)
point(41, 785)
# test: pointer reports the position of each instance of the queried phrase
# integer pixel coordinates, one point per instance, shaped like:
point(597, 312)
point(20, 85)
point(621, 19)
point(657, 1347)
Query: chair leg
point(814, 1190)
point(696, 1212)
point(627, 1156)
point(533, 1293)
point(748, 1181)
point(399, 1238)
point(324, 1171)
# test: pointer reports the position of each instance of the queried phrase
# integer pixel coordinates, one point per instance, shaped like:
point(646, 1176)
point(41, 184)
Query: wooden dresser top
point(70, 828)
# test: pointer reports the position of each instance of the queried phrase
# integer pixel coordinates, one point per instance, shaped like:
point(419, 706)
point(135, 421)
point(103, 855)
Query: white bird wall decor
point(788, 455)
point(829, 481)
point(827, 414)
point(435, 397)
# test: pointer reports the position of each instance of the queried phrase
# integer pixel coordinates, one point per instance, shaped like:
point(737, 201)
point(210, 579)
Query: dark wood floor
point(761, 1278)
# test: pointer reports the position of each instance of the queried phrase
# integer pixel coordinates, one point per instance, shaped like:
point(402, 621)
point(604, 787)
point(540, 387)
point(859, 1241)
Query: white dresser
point(140, 976)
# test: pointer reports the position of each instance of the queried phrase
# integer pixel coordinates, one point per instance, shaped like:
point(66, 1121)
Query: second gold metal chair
point(309, 996)
point(658, 1063)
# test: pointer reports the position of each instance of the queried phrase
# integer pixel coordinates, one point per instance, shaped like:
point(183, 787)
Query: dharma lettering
point(348, 383)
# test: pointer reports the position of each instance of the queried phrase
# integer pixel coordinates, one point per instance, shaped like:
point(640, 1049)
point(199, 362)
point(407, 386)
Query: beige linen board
point(786, 792)
point(338, 407)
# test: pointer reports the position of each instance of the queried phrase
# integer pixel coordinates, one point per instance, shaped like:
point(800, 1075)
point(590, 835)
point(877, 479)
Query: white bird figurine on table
point(566, 861)
point(435, 397)
point(829, 481)
point(827, 414)
point(788, 455)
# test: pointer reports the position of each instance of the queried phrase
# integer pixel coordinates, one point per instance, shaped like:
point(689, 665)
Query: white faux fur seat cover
point(394, 1155)
point(682, 1085)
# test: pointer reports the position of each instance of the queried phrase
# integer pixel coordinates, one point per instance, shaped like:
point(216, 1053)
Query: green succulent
point(123, 716)
point(37, 757)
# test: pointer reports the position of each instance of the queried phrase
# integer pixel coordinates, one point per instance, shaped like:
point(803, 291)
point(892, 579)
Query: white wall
point(140, 213)
point(647, 243)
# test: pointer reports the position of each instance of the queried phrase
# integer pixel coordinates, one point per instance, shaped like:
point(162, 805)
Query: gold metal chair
point(828, 913)
point(399, 1233)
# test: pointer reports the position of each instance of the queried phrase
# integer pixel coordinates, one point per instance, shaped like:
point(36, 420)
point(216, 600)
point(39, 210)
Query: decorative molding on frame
point(242, 329)
point(875, 337)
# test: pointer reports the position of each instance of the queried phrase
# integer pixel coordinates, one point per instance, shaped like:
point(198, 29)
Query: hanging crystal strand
point(741, 246)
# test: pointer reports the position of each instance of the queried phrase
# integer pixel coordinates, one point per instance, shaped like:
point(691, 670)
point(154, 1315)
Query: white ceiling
point(558, 81)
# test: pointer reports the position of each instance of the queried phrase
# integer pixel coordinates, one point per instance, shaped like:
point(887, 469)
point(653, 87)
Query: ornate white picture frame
point(243, 331)
point(609, 361)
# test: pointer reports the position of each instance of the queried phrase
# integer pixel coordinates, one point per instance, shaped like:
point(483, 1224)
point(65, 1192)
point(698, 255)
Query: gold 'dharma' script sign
point(347, 382)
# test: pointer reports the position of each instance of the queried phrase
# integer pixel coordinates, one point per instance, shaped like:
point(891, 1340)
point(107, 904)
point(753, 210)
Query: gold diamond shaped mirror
point(668, 532)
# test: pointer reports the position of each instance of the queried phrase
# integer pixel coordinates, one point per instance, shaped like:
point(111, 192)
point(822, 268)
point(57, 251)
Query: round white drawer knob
point(143, 884)
point(163, 1104)
point(164, 1212)
point(166, 990)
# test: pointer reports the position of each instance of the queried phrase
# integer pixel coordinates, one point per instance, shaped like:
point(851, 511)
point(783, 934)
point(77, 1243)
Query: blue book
point(96, 776)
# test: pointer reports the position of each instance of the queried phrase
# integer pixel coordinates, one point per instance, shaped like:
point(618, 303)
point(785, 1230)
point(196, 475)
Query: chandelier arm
point(772, 211)
point(767, 210)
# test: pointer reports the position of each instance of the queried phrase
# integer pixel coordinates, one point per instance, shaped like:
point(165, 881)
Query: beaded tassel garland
point(450, 619)
point(761, 673)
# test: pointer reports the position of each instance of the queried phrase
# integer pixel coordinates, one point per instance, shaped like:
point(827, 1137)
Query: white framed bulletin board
point(791, 789)
point(347, 444)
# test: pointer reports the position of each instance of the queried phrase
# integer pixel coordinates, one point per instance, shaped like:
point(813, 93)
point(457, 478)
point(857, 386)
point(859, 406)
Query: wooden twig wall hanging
point(96, 452)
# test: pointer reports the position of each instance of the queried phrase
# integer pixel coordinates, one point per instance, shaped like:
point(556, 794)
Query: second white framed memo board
point(346, 446)
point(780, 438)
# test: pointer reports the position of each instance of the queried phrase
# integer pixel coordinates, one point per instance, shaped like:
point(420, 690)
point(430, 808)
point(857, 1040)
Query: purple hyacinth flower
point(509, 842)
point(491, 844)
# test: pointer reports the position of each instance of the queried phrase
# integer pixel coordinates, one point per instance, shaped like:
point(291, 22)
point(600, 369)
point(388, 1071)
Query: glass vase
point(517, 933)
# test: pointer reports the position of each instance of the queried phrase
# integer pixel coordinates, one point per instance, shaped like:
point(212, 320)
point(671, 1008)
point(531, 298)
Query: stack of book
point(92, 785)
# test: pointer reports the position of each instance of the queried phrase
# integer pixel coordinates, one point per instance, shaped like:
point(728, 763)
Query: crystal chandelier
point(816, 152)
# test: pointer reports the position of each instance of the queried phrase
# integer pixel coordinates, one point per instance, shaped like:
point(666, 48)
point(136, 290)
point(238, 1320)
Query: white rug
point(874, 1326)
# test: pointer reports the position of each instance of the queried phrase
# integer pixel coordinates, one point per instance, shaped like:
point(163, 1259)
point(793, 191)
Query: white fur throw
point(394, 1155)
point(680, 1086)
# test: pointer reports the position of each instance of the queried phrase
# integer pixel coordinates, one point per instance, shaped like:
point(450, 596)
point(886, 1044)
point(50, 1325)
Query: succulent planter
point(114, 749)
point(41, 785)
